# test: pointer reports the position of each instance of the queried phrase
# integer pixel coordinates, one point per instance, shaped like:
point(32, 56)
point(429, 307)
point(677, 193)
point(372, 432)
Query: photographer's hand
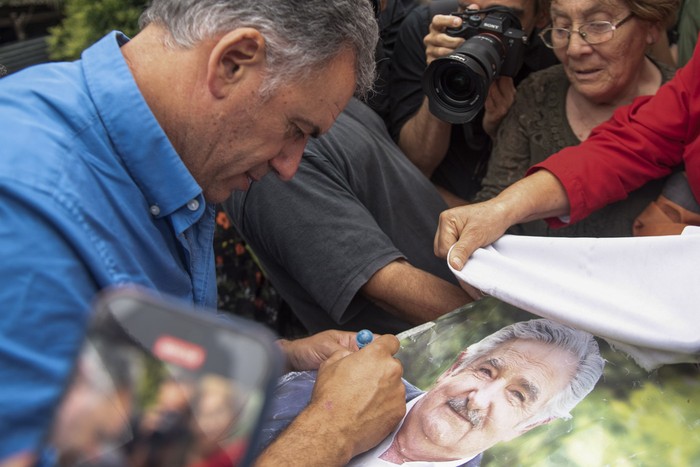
point(499, 100)
point(437, 42)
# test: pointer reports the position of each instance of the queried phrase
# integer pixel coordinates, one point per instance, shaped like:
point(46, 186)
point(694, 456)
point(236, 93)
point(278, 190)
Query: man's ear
point(234, 55)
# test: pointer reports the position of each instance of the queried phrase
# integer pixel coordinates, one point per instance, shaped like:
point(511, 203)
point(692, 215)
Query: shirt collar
point(134, 131)
point(384, 445)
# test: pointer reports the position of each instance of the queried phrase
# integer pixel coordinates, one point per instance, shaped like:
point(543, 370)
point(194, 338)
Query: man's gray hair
point(300, 35)
point(579, 343)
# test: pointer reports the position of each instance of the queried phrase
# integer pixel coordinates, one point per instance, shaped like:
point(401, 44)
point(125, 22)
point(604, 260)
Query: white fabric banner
point(639, 293)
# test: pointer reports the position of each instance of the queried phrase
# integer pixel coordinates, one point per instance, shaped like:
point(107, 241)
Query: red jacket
point(641, 142)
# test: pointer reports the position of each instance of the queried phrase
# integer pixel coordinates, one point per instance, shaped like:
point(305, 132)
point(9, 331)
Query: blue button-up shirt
point(92, 194)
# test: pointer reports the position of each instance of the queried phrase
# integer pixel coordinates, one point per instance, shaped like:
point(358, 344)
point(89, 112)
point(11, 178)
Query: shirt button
point(193, 205)
point(155, 210)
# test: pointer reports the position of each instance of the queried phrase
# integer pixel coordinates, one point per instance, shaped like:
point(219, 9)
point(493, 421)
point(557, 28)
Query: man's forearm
point(464, 229)
point(310, 441)
point(537, 196)
point(413, 294)
point(424, 139)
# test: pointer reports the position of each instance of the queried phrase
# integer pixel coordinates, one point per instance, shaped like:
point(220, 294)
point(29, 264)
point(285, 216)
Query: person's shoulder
point(360, 112)
point(547, 76)
point(442, 7)
point(542, 84)
point(53, 93)
point(667, 71)
point(357, 124)
point(420, 16)
point(42, 121)
point(417, 22)
point(417, 19)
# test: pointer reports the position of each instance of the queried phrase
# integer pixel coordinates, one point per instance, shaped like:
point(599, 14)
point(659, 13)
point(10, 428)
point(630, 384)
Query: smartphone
point(160, 383)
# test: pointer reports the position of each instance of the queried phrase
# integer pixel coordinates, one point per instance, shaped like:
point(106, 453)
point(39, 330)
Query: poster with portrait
point(630, 417)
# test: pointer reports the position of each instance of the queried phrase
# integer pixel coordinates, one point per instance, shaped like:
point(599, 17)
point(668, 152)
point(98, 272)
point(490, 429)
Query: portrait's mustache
point(473, 416)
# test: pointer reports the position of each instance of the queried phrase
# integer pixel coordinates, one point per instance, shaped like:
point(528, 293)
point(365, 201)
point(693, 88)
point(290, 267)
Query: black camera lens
point(456, 87)
point(457, 84)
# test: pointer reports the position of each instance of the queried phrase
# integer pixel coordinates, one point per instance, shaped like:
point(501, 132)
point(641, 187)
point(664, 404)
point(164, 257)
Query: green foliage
point(658, 424)
point(86, 21)
point(30, 3)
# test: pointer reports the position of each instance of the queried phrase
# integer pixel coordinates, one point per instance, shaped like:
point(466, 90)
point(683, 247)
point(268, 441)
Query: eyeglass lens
point(595, 32)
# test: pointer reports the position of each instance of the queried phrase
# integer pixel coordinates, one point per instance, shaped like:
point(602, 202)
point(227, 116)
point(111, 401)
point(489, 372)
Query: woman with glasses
point(602, 47)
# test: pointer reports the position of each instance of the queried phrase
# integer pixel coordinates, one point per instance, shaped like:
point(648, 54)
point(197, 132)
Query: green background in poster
point(631, 418)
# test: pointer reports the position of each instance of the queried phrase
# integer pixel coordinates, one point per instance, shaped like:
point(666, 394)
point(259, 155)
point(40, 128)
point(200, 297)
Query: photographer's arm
point(498, 101)
point(424, 138)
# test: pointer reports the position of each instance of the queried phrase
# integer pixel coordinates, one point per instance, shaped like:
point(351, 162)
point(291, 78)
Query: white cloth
point(638, 293)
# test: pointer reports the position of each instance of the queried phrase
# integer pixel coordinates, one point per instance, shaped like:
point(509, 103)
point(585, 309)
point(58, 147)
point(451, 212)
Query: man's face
point(473, 408)
point(524, 9)
point(248, 136)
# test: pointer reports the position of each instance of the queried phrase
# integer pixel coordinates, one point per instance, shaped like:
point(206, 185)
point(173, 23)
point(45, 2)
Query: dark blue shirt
point(92, 194)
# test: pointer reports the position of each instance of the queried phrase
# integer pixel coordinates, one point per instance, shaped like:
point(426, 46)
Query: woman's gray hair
point(579, 343)
point(300, 35)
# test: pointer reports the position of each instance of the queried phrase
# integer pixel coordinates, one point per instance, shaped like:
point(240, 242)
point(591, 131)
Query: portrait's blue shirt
point(92, 194)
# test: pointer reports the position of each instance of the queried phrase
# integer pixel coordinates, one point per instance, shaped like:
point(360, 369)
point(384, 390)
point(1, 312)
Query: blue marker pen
point(363, 338)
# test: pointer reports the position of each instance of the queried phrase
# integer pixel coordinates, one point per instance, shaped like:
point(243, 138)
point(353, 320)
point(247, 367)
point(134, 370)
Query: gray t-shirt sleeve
point(331, 244)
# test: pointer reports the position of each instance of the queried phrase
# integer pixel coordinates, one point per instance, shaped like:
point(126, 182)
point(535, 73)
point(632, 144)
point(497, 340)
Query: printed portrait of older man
point(520, 377)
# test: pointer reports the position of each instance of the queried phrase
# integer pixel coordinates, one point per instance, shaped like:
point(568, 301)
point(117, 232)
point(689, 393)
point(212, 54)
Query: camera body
point(457, 84)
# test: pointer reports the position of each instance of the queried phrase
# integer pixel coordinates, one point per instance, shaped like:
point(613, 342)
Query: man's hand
point(437, 42)
point(358, 399)
point(537, 196)
point(498, 101)
point(364, 389)
point(308, 353)
point(468, 228)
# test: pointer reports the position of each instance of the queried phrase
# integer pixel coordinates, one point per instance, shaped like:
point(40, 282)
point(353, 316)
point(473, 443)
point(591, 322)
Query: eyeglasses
point(595, 32)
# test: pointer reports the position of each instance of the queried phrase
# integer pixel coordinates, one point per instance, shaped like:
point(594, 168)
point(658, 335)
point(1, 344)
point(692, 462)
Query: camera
point(457, 84)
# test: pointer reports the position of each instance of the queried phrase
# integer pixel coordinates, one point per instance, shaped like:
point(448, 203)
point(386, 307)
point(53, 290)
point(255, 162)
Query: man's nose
point(287, 162)
point(482, 397)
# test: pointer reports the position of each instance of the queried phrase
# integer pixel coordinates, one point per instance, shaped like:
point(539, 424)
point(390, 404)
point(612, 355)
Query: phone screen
point(159, 384)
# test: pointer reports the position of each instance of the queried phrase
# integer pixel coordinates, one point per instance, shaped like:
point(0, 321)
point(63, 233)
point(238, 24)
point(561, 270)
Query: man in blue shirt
point(110, 165)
